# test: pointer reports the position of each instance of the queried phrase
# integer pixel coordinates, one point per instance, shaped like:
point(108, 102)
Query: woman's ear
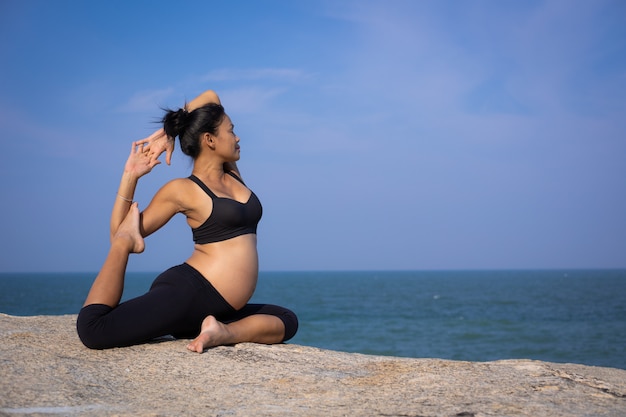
point(208, 140)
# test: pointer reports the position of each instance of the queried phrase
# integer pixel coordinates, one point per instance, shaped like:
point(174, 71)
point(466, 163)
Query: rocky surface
point(45, 370)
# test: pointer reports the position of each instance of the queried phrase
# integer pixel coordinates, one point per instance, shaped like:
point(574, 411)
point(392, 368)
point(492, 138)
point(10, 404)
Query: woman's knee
point(90, 327)
point(290, 320)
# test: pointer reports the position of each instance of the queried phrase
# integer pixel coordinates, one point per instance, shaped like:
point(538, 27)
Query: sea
point(566, 316)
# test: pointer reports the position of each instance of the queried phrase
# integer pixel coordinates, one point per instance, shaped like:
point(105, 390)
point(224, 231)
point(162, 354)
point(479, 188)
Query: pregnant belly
point(231, 266)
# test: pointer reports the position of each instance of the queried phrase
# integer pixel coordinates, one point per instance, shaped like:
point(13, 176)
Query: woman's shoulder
point(176, 187)
point(178, 182)
point(182, 192)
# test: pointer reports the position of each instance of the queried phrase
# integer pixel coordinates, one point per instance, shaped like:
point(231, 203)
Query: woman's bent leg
point(258, 328)
point(256, 323)
point(109, 284)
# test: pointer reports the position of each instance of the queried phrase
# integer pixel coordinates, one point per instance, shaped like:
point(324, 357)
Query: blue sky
point(377, 134)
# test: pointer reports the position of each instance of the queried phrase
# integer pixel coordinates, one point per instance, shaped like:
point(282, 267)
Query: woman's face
point(227, 142)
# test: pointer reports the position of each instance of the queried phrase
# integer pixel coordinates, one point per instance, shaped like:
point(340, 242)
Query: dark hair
point(188, 126)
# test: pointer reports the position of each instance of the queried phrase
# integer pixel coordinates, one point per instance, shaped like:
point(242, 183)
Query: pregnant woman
point(207, 296)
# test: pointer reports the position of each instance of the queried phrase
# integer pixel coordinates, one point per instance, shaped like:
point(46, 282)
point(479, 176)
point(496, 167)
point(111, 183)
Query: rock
point(44, 369)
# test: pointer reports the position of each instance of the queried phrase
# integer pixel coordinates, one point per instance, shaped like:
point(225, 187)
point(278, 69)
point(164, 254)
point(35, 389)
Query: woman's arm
point(137, 165)
point(209, 96)
point(164, 205)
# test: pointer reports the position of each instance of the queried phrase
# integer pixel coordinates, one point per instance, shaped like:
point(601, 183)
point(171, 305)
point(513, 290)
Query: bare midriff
point(231, 266)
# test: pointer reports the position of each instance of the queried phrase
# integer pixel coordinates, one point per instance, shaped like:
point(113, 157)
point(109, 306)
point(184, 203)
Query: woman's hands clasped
point(144, 153)
point(139, 162)
point(157, 143)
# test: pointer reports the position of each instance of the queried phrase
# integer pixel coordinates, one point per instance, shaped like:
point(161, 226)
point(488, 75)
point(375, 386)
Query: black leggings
point(178, 300)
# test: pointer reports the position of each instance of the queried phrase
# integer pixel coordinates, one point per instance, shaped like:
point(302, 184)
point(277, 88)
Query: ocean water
point(559, 316)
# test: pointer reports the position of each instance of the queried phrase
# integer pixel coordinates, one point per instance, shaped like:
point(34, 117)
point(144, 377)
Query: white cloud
point(249, 100)
point(146, 100)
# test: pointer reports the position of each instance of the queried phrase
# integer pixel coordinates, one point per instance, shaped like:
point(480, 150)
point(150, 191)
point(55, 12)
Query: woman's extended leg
point(258, 328)
point(109, 284)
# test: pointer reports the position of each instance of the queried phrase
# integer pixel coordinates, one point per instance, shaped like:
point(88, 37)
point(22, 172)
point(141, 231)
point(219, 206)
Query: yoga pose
point(207, 296)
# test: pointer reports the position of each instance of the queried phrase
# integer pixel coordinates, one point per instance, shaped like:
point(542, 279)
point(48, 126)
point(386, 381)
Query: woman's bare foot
point(212, 333)
point(129, 230)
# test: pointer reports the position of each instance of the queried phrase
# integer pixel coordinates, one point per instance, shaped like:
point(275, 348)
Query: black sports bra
point(229, 217)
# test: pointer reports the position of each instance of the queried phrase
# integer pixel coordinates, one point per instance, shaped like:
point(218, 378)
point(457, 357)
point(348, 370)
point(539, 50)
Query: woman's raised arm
point(138, 164)
point(208, 97)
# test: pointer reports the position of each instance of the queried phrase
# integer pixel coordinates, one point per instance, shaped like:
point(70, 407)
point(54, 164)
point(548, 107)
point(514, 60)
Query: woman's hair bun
point(175, 122)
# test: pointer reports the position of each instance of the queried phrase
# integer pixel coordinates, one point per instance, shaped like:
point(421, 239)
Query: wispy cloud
point(146, 100)
point(249, 100)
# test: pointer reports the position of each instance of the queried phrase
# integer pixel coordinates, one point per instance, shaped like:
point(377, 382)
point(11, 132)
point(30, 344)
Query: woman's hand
point(141, 160)
point(157, 143)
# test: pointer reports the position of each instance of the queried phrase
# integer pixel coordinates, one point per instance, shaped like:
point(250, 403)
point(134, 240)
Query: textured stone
point(45, 370)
